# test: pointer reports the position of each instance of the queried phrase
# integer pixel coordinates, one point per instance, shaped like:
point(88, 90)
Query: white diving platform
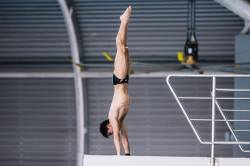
point(97, 160)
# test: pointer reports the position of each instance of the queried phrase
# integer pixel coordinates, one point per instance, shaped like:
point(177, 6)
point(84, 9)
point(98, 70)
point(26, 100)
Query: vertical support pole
point(213, 122)
point(77, 82)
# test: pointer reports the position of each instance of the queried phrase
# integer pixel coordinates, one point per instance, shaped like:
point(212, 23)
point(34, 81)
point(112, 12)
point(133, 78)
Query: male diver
point(119, 108)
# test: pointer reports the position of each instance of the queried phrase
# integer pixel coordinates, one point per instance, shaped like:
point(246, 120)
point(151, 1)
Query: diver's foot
point(126, 15)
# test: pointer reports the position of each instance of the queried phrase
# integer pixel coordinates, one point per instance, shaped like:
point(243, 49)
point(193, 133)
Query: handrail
point(222, 120)
point(229, 126)
point(232, 90)
point(232, 110)
point(219, 98)
point(184, 112)
point(215, 104)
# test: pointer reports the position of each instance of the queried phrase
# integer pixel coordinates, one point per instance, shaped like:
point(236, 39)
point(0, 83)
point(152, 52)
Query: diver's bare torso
point(120, 103)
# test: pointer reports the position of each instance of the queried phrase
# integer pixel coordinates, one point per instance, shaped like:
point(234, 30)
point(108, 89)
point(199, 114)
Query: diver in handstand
point(119, 108)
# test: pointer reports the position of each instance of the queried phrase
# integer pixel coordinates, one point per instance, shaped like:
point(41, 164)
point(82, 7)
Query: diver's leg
point(121, 65)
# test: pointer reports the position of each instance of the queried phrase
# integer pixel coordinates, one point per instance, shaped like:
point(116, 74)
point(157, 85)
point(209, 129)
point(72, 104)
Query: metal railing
point(215, 104)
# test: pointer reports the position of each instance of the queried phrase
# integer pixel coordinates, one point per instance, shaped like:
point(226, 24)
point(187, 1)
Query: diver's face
point(110, 129)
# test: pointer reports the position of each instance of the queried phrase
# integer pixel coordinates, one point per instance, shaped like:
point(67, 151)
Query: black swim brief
point(117, 80)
